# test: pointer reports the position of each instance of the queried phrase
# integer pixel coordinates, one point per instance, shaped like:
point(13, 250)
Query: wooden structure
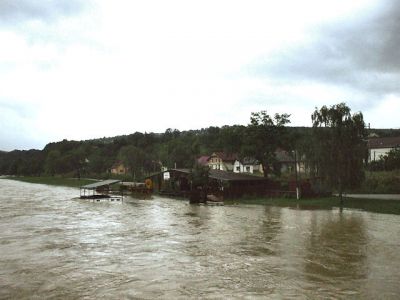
point(100, 190)
point(221, 184)
point(137, 189)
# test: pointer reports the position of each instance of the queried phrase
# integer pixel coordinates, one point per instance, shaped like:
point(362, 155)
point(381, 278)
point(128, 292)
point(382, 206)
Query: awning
point(95, 185)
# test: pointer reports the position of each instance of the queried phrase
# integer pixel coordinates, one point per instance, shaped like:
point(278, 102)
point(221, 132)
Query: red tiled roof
point(389, 142)
point(202, 160)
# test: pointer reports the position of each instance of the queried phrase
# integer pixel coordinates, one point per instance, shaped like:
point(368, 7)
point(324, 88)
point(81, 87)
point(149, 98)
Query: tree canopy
point(332, 128)
point(264, 136)
point(339, 146)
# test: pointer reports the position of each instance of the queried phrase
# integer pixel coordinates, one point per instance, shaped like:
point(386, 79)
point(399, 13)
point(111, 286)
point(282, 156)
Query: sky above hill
point(82, 69)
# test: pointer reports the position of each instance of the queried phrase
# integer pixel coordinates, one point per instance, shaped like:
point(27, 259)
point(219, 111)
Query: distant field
point(60, 181)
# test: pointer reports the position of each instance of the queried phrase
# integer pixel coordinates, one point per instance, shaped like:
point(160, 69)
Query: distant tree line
point(334, 148)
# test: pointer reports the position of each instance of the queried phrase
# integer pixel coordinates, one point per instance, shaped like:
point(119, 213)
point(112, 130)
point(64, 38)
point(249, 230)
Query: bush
point(381, 183)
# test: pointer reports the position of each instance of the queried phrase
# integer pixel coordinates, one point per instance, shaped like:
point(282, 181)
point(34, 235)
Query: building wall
point(119, 170)
point(217, 163)
point(375, 154)
point(238, 167)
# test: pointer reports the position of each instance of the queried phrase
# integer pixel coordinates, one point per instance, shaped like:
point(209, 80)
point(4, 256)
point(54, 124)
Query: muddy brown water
point(58, 248)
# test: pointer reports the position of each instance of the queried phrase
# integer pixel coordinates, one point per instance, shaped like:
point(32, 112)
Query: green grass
point(371, 205)
point(59, 181)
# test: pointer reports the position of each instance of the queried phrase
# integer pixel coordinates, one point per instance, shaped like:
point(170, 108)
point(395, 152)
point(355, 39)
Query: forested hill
point(152, 150)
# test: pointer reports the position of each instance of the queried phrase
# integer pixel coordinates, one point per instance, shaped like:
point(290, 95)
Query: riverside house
point(222, 161)
point(247, 165)
point(118, 168)
point(378, 147)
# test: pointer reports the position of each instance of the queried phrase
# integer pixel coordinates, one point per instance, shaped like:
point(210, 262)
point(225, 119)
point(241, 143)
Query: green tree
point(52, 162)
point(199, 176)
point(264, 136)
point(392, 160)
point(133, 158)
point(180, 153)
point(339, 142)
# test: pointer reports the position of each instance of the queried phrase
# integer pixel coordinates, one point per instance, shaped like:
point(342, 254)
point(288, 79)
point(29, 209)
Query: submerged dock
point(100, 191)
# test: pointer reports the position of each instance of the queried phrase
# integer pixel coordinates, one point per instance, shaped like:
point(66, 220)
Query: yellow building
point(119, 168)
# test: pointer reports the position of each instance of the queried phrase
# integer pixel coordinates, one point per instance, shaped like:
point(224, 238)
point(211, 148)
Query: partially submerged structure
point(222, 184)
point(100, 190)
point(141, 190)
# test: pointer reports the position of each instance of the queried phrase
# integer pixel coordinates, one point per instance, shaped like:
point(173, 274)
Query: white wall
point(375, 154)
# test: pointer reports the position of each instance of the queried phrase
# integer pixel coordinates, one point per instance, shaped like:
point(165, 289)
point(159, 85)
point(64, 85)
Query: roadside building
point(288, 161)
point(379, 147)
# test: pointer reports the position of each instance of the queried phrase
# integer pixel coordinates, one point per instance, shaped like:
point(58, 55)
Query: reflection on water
point(55, 247)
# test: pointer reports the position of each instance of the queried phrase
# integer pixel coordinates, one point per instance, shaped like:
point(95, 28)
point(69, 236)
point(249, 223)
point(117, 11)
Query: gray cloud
point(12, 11)
point(361, 54)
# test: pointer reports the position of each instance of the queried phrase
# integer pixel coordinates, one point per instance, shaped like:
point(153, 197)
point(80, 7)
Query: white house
point(378, 147)
point(247, 165)
point(221, 161)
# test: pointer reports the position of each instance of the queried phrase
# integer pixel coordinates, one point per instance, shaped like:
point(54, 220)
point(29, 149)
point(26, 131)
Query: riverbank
point(324, 203)
point(57, 181)
point(371, 205)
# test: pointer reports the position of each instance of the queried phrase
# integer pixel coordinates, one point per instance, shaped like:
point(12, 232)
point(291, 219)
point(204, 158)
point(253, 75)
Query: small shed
point(233, 185)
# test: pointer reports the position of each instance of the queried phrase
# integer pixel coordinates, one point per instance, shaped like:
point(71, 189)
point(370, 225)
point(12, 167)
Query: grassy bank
point(59, 181)
point(372, 205)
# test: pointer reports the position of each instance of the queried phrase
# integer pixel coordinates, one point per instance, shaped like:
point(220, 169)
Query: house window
point(238, 168)
point(248, 169)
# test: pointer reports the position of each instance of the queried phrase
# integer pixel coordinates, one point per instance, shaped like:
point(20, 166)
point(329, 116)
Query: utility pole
point(297, 177)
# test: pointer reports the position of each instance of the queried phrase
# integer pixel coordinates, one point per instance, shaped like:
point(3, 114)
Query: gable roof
point(249, 161)
point(283, 156)
point(388, 142)
point(225, 156)
point(117, 164)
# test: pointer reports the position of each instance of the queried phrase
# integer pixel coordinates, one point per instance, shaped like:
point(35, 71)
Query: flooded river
point(55, 247)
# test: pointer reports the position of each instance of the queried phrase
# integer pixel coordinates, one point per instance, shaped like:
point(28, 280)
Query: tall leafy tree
point(265, 134)
point(52, 162)
point(339, 140)
point(133, 158)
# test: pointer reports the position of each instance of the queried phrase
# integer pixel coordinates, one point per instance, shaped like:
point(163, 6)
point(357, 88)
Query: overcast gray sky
point(82, 69)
